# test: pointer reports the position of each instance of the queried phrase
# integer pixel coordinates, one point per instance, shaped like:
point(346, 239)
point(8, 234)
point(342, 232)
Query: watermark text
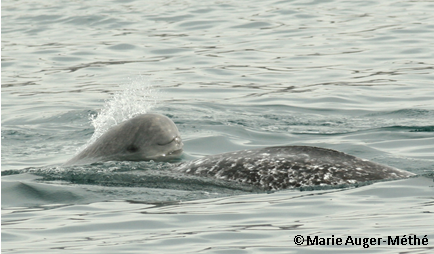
point(365, 242)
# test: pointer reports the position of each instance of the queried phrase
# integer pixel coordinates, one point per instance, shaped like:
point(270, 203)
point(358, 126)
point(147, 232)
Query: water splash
point(137, 96)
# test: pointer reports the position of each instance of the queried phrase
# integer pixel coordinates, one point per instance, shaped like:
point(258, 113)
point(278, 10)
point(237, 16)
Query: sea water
point(355, 76)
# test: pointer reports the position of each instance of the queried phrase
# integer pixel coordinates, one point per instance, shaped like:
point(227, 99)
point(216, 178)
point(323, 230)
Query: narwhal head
point(143, 137)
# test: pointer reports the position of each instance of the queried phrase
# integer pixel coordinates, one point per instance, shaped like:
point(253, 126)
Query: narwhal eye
point(132, 148)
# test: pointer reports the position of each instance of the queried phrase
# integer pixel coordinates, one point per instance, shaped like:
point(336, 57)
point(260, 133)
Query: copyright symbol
point(298, 239)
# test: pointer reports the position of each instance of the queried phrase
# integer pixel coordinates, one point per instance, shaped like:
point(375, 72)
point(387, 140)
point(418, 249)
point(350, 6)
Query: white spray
point(137, 96)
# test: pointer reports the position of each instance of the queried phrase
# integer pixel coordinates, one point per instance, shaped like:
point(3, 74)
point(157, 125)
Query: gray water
point(355, 76)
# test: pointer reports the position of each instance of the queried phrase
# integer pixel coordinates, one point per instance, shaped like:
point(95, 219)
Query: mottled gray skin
point(144, 137)
point(276, 168)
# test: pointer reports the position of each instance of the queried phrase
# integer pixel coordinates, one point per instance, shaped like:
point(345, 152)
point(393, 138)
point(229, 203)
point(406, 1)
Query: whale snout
point(175, 153)
point(177, 142)
point(172, 149)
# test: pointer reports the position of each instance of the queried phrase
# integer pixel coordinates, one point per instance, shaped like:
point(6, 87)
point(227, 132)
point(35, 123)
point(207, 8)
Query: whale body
point(276, 168)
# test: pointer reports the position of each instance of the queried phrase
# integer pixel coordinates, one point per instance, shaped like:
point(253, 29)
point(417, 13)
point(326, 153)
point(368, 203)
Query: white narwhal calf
point(143, 137)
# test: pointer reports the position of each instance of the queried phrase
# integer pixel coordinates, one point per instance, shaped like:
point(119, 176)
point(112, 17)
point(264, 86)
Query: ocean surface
point(354, 76)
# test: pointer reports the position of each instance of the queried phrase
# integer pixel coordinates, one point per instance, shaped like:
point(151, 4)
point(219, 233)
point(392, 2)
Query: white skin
point(144, 137)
